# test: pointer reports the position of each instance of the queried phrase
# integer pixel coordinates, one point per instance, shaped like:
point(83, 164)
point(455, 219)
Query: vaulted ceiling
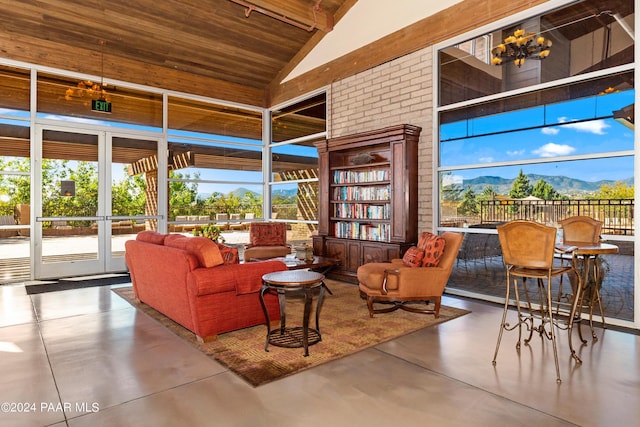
point(228, 49)
point(236, 50)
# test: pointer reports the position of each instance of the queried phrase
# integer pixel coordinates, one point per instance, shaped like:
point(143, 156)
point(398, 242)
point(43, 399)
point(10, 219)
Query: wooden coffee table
point(319, 263)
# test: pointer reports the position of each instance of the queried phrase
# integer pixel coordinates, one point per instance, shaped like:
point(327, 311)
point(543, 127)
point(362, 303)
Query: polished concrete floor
point(87, 358)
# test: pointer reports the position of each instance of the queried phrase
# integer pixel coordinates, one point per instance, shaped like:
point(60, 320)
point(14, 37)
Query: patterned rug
point(344, 323)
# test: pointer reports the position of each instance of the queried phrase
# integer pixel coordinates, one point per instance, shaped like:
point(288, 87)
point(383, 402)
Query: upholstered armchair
point(420, 276)
point(267, 240)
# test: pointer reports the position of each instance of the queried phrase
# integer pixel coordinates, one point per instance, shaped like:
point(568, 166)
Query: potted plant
point(210, 231)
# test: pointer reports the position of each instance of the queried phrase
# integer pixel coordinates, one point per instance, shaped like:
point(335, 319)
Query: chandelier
point(88, 88)
point(520, 46)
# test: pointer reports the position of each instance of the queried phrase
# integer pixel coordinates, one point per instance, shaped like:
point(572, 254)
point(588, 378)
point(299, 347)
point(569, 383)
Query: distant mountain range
point(241, 192)
point(562, 184)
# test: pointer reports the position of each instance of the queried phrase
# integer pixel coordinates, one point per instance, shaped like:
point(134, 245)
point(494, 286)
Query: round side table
point(284, 282)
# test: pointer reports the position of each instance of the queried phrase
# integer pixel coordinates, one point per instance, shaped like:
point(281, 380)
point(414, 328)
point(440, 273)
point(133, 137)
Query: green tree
point(252, 203)
point(521, 187)
point(128, 196)
point(488, 193)
point(618, 190)
point(182, 195)
point(544, 190)
point(469, 203)
point(15, 187)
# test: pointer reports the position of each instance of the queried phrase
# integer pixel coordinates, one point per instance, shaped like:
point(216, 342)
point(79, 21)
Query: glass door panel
point(134, 192)
point(15, 221)
point(67, 206)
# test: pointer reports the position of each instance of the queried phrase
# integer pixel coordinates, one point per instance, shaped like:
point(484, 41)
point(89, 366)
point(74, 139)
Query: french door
point(93, 190)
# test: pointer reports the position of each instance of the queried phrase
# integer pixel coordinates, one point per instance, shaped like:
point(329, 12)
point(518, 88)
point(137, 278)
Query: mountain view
point(562, 184)
point(241, 192)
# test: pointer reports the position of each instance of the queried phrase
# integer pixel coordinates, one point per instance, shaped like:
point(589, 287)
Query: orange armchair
point(398, 284)
point(267, 240)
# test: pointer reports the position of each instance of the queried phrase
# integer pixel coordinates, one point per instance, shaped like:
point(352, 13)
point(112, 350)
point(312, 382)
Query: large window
point(294, 164)
point(223, 170)
point(558, 142)
point(215, 168)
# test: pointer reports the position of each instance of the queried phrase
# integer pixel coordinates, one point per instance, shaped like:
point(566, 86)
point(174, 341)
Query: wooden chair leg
point(370, 305)
point(437, 301)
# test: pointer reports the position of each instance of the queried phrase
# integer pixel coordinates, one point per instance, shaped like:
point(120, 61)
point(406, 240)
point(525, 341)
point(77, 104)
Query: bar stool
point(528, 251)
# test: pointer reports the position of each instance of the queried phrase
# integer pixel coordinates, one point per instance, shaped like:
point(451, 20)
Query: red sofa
point(186, 279)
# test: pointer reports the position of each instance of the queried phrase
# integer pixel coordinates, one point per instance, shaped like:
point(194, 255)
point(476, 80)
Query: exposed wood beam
point(426, 32)
point(310, 16)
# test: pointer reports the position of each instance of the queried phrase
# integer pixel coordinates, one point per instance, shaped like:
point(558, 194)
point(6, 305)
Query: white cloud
point(515, 153)
point(452, 180)
point(554, 150)
point(486, 159)
point(550, 131)
point(596, 127)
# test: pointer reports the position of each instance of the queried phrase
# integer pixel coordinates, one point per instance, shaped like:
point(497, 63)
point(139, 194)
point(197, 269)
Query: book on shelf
point(362, 193)
point(362, 211)
point(355, 177)
point(356, 230)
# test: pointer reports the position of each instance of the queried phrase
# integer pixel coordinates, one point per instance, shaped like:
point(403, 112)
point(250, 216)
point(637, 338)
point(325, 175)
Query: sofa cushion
point(268, 234)
point(204, 249)
point(433, 247)
point(413, 257)
point(150, 236)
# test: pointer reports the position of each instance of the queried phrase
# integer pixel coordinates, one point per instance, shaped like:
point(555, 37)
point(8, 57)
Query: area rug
point(77, 283)
point(344, 323)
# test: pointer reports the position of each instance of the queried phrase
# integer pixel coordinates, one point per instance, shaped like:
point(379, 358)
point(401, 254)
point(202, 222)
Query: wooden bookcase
point(368, 186)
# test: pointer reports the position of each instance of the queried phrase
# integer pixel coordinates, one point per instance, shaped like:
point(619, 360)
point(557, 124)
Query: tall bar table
point(585, 263)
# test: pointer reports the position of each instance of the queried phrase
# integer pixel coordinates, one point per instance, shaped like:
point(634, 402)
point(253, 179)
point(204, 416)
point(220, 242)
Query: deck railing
point(616, 214)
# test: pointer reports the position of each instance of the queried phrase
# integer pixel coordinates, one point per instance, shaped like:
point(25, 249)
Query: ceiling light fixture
point(519, 47)
point(88, 88)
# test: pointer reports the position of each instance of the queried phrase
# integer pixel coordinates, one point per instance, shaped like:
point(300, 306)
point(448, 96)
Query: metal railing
point(616, 214)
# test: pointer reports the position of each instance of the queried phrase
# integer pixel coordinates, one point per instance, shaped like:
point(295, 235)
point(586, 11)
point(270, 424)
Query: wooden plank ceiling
point(225, 49)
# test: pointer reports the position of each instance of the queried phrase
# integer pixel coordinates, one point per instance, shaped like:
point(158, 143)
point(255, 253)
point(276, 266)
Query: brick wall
point(399, 91)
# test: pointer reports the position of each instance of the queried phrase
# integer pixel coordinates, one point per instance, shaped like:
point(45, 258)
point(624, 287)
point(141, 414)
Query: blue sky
point(572, 128)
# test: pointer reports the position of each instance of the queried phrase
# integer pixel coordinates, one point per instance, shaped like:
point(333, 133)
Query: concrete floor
point(87, 358)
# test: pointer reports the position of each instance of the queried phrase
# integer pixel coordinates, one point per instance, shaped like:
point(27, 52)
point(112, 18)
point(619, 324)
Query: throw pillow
point(268, 234)
point(229, 254)
point(433, 246)
point(424, 237)
point(150, 236)
point(204, 249)
point(413, 257)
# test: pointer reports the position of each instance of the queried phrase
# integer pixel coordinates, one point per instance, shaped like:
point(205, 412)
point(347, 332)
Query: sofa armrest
point(249, 277)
